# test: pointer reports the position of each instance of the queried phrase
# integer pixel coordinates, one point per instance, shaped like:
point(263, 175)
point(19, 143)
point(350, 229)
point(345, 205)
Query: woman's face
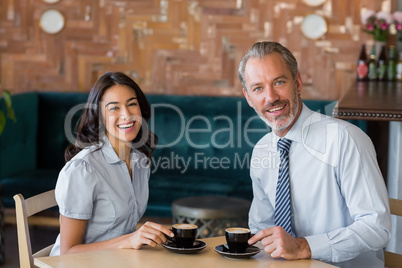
point(121, 113)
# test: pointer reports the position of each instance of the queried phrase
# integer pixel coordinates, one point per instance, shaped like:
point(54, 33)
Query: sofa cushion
point(18, 140)
point(28, 183)
point(53, 115)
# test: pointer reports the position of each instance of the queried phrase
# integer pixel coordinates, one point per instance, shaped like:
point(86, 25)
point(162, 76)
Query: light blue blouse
point(338, 197)
point(95, 185)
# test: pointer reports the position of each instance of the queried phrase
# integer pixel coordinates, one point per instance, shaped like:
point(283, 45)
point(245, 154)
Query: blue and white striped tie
point(282, 201)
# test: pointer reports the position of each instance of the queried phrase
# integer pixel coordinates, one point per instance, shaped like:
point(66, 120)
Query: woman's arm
point(72, 232)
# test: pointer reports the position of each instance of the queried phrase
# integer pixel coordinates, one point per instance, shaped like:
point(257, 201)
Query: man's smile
point(277, 108)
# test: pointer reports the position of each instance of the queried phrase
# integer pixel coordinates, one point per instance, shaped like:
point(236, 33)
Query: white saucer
point(314, 26)
point(314, 3)
point(51, 1)
point(52, 21)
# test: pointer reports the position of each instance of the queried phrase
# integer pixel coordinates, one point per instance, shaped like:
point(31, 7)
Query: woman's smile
point(127, 127)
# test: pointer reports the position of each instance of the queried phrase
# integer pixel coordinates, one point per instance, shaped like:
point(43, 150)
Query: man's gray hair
point(260, 50)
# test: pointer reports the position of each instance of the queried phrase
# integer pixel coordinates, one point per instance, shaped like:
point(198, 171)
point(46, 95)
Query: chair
point(394, 260)
point(25, 208)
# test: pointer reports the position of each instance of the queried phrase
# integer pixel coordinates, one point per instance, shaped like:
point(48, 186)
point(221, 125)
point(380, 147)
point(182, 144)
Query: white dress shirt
point(339, 200)
point(95, 185)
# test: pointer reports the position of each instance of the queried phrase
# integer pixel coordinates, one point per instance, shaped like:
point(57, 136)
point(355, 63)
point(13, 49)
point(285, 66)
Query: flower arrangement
point(397, 15)
point(380, 23)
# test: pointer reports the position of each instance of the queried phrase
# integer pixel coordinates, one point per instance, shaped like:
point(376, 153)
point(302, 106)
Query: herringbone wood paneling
point(174, 46)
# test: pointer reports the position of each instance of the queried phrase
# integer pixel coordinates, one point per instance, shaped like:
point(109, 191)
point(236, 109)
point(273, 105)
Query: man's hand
point(279, 244)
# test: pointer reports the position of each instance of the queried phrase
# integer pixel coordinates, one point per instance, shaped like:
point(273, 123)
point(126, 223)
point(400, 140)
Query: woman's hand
point(72, 232)
point(151, 234)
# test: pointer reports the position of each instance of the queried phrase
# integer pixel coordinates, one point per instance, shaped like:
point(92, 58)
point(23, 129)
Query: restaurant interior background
point(184, 47)
point(177, 47)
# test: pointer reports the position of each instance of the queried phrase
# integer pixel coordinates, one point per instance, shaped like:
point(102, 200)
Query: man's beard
point(274, 123)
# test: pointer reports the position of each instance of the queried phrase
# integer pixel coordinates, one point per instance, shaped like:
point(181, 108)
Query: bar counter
point(379, 101)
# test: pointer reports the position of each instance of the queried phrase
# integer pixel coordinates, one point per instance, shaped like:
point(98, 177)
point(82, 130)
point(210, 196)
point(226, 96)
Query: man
point(331, 198)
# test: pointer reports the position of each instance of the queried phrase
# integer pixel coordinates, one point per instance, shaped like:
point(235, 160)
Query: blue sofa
point(205, 145)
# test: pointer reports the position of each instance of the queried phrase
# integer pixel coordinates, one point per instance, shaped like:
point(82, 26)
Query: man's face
point(272, 92)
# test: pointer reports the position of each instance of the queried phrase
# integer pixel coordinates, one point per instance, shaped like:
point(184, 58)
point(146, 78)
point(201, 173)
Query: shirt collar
point(110, 155)
point(108, 152)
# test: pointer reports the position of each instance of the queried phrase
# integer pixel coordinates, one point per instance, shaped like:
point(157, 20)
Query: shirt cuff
point(320, 247)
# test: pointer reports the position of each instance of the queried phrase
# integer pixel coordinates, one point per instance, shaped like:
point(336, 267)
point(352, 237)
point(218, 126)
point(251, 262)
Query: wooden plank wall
point(184, 47)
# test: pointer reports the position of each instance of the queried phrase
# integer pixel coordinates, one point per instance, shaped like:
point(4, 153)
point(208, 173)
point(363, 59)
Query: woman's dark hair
point(91, 124)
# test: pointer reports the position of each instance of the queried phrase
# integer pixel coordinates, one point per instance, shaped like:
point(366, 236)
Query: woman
point(102, 191)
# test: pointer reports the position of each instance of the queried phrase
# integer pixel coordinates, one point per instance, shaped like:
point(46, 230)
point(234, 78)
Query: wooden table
point(161, 257)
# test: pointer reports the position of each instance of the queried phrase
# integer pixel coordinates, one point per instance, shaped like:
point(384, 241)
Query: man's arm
point(366, 198)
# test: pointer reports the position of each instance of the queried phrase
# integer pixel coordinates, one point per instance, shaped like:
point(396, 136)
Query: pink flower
point(366, 15)
point(397, 15)
point(377, 24)
point(385, 16)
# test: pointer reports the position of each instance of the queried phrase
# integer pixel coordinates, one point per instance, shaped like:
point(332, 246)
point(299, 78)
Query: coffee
point(237, 238)
point(184, 234)
point(238, 230)
point(185, 226)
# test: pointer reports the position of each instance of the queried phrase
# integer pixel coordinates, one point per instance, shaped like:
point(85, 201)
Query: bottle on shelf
point(391, 66)
point(362, 65)
point(372, 65)
point(382, 65)
point(398, 74)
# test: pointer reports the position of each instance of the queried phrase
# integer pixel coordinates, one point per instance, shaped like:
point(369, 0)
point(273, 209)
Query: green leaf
point(7, 99)
point(2, 121)
point(11, 114)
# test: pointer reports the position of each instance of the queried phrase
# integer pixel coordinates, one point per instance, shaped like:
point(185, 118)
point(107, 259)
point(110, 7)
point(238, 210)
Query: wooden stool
point(212, 214)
